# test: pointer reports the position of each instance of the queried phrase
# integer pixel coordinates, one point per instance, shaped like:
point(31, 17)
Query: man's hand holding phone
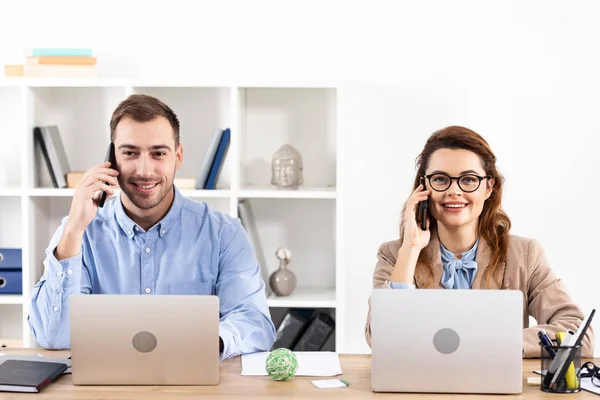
point(85, 200)
point(84, 207)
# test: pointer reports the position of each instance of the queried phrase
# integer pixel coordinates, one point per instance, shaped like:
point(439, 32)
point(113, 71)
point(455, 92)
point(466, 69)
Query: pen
point(563, 366)
point(545, 339)
point(570, 375)
point(557, 362)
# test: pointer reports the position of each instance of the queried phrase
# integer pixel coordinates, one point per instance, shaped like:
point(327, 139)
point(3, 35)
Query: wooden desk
point(356, 370)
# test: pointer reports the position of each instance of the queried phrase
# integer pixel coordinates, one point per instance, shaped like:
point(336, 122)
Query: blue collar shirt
point(192, 250)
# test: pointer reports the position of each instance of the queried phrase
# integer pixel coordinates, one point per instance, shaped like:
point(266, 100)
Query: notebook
point(28, 376)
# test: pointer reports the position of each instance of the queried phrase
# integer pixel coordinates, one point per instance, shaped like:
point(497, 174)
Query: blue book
point(217, 164)
point(209, 158)
point(61, 52)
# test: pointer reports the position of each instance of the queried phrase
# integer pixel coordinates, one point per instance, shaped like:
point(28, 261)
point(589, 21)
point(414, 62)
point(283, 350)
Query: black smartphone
point(110, 156)
point(423, 205)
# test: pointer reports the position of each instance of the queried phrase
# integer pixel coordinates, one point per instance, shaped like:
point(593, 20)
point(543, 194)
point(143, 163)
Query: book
point(48, 138)
point(292, 327)
point(62, 52)
point(59, 71)
point(215, 169)
point(28, 376)
point(209, 158)
point(249, 224)
point(58, 60)
point(185, 183)
point(11, 70)
point(316, 334)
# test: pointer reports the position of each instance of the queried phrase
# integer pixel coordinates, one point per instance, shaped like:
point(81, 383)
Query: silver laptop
point(447, 341)
point(144, 340)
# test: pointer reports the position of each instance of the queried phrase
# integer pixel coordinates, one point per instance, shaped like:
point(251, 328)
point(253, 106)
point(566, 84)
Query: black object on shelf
point(292, 327)
point(316, 334)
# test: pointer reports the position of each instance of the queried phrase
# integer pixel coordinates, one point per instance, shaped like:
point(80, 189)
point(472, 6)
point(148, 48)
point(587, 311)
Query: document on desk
point(36, 357)
point(310, 363)
point(586, 383)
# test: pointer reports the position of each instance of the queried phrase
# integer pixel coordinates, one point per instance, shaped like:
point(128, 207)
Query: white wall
point(523, 74)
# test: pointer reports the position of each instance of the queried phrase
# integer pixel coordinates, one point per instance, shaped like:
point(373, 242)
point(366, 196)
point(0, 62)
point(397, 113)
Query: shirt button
point(162, 232)
point(69, 272)
point(55, 308)
point(147, 290)
point(129, 233)
point(59, 273)
point(147, 249)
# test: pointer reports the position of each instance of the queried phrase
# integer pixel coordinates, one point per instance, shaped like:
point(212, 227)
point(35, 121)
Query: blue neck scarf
point(459, 273)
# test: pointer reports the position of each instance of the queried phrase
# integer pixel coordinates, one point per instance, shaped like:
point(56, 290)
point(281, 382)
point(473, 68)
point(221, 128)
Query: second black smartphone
point(110, 156)
point(423, 209)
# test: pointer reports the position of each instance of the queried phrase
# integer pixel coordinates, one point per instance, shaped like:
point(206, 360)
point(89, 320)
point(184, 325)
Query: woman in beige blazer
point(467, 243)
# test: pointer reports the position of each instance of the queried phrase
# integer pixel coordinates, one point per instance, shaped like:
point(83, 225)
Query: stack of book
point(55, 63)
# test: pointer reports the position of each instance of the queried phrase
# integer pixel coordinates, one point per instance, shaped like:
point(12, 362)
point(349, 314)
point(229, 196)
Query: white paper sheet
point(310, 363)
point(586, 383)
point(330, 383)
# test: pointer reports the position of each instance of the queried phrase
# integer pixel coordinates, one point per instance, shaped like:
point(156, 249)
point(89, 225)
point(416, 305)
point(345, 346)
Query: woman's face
point(456, 207)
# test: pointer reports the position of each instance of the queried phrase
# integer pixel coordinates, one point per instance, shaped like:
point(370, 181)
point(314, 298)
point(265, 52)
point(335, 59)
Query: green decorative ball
point(281, 364)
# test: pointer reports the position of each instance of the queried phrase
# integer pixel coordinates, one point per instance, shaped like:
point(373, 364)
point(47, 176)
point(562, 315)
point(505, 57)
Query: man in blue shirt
point(150, 239)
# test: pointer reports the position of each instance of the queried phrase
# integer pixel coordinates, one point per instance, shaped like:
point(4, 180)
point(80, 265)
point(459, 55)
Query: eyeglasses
point(589, 370)
point(468, 183)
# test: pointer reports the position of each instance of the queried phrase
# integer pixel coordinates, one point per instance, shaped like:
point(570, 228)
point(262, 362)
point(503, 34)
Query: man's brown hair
point(143, 108)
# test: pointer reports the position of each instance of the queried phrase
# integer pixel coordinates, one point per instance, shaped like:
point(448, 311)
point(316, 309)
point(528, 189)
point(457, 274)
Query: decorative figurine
point(283, 281)
point(287, 168)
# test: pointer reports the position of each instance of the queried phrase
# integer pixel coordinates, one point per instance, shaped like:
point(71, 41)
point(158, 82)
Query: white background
point(524, 74)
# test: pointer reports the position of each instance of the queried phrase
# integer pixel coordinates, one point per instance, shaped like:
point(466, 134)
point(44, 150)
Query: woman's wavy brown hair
point(494, 224)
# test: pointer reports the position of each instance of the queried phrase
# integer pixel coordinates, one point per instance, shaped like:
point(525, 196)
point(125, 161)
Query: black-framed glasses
point(590, 370)
point(468, 183)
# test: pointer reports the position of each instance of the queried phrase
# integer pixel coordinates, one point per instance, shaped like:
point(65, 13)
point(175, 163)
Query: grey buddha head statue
point(286, 168)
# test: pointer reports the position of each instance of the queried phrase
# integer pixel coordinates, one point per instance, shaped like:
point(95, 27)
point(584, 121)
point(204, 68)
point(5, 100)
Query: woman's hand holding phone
point(414, 239)
point(414, 235)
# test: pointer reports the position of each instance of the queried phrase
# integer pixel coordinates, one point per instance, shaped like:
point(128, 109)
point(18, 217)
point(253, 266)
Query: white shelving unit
point(261, 118)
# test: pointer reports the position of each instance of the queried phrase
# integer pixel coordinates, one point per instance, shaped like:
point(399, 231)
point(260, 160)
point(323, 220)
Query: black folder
point(28, 376)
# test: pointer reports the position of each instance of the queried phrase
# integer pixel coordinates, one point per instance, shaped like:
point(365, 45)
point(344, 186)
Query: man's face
point(147, 160)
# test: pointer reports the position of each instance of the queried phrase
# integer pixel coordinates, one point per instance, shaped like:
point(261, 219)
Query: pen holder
point(569, 382)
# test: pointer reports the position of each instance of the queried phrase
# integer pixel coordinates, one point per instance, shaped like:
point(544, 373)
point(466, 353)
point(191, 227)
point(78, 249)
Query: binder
point(11, 273)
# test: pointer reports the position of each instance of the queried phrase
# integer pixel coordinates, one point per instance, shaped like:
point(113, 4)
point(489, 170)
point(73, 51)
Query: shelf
point(10, 192)
point(263, 114)
point(54, 192)
point(11, 299)
point(305, 298)
point(136, 82)
point(254, 193)
point(300, 193)
point(63, 82)
point(11, 343)
point(50, 192)
point(212, 194)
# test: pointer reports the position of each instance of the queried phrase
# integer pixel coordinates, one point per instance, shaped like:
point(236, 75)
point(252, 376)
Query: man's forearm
point(48, 314)
point(70, 244)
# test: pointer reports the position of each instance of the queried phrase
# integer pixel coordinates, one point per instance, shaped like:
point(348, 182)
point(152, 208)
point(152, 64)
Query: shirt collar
point(130, 227)
point(468, 255)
